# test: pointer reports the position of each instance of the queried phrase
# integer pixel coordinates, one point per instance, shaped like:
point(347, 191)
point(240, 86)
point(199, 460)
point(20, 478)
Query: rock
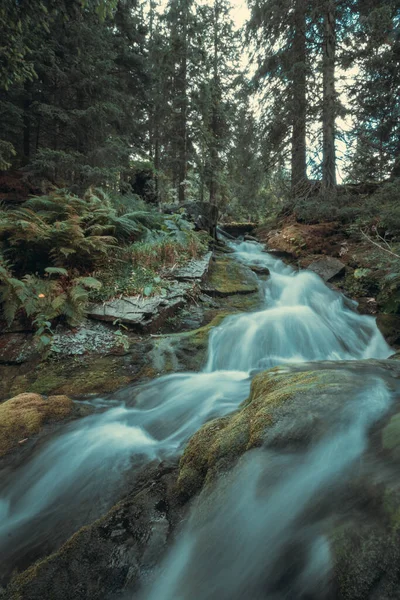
point(389, 326)
point(238, 229)
point(250, 238)
point(112, 554)
point(259, 270)
point(203, 214)
point(195, 269)
point(283, 254)
point(327, 267)
point(389, 301)
point(183, 351)
point(89, 338)
point(16, 348)
point(299, 239)
point(367, 306)
point(289, 411)
point(76, 375)
point(142, 312)
point(24, 416)
point(226, 277)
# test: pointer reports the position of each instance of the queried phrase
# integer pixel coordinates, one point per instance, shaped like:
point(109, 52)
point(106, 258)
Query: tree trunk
point(27, 122)
point(183, 102)
point(214, 117)
point(329, 96)
point(299, 107)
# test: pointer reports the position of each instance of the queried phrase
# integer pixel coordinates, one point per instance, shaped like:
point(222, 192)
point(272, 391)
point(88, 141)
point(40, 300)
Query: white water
point(250, 534)
point(81, 469)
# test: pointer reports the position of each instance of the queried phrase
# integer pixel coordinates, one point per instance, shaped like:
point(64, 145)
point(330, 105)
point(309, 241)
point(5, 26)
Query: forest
point(199, 299)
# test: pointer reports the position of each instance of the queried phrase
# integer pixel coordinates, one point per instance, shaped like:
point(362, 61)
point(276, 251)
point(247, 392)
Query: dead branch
point(378, 245)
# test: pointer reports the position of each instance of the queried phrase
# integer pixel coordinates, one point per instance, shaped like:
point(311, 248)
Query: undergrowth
point(380, 210)
point(60, 251)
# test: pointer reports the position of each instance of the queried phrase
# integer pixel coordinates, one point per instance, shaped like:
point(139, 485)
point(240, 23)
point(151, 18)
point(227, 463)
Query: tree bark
point(329, 96)
point(215, 109)
point(27, 122)
point(183, 102)
point(299, 106)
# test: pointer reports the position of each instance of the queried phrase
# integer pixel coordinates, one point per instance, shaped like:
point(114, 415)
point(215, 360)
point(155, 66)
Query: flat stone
point(194, 269)
point(327, 267)
point(136, 310)
point(226, 277)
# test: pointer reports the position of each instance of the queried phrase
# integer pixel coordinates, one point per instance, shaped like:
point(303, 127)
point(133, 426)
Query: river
point(75, 476)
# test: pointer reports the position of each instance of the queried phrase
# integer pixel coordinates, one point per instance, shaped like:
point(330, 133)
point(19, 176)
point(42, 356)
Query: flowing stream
point(81, 471)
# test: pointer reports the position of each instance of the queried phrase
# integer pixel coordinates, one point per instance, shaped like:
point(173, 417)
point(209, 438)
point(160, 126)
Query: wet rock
point(25, 415)
point(112, 555)
point(258, 270)
point(250, 238)
point(226, 277)
point(183, 351)
point(367, 306)
point(389, 326)
point(327, 267)
point(74, 375)
point(290, 410)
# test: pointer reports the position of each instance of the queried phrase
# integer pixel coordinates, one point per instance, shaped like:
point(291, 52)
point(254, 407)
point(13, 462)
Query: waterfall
point(81, 470)
point(252, 539)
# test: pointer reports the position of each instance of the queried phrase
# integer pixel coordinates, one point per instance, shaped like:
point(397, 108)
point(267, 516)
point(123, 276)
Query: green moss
point(391, 436)
point(226, 277)
point(24, 416)
point(219, 443)
point(74, 377)
point(243, 302)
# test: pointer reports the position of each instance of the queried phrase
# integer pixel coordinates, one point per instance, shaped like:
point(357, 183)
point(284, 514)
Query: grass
point(145, 268)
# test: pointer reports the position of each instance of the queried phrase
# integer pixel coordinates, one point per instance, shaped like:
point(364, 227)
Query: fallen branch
point(378, 245)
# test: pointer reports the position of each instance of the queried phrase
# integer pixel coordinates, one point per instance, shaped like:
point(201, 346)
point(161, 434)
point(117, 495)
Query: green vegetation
point(60, 251)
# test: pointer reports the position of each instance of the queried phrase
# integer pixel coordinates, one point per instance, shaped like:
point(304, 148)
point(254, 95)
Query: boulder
point(25, 415)
point(291, 410)
point(111, 554)
point(226, 277)
point(259, 270)
point(327, 267)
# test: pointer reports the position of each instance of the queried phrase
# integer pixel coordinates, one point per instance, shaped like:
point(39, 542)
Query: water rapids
point(84, 465)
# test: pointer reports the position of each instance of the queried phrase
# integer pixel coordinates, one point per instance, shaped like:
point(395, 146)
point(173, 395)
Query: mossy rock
point(218, 444)
point(226, 277)
point(111, 554)
point(75, 376)
point(26, 414)
point(183, 351)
